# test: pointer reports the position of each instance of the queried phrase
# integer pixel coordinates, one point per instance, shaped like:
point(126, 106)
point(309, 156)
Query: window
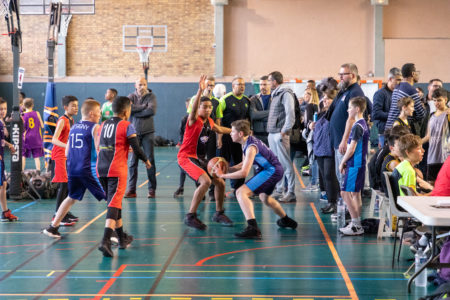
point(73, 7)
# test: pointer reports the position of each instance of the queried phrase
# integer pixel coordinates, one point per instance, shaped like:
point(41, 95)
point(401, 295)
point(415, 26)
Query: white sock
point(356, 221)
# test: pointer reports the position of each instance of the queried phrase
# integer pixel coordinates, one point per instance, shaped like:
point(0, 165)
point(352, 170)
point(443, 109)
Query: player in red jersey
point(59, 140)
point(192, 158)
point(116, 137)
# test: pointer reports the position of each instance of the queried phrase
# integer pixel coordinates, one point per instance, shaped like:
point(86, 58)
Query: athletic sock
point(108, 233)
point(62, 194)
point(356, 221)
point(119, 232)
point(252, 222)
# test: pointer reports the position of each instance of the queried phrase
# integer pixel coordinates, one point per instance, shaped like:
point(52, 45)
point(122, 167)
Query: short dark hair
point(2, 100)
point(394, 137)
point(408, 142)
point(359, 102)
point(440, 92)
point(420, 89)
point(67, 99)
point(114, 91)
point(265, 77)
point(408, 69)
point(398, 130)
point(277, 76)
point(204, 98)
point(242, 125)
point(187, 100)
point(405, 101)
point(120, 104)
point(23, 95)
point(435, 79)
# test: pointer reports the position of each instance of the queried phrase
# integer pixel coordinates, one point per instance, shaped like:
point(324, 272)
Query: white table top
point(420, 207)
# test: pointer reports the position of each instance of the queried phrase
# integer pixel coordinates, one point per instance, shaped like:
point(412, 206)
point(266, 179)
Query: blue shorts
point(78, 184)
point(265, 181)
point(354, 179)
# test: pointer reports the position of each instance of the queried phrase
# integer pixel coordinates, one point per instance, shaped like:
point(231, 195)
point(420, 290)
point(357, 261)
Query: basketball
point(217, 162)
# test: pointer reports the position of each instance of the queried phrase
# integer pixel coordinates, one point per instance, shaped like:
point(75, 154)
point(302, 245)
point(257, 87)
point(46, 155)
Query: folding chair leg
point(395, 243)
point(404, 225)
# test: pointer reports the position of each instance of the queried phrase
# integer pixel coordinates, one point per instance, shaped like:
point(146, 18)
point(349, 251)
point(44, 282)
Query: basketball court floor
point(167, 260)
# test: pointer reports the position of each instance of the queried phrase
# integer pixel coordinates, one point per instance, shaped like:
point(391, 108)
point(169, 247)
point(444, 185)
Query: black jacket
point(142, 112)
point(381, 107)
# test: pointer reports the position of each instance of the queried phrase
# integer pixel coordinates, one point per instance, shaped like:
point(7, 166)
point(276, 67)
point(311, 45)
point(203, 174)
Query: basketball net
point(4, 8)
point(144, 53)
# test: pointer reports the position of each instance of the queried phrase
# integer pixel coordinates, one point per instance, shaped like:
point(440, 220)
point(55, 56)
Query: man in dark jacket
point(143, 108)
point(382, 103)
point(259, 110)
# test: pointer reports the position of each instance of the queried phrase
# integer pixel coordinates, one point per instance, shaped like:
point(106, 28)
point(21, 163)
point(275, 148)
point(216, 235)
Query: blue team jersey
point(359, 133)
point(82, 156)
point(265, 159)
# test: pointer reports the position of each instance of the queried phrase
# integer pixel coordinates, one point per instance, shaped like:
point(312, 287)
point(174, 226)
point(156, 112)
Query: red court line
point(336, 257)
point(184, 295)
point(252, 266)
point(201, 262)
point(110, 282)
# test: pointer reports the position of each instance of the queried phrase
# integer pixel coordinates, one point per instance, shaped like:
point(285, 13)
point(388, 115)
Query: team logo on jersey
point(204, 139)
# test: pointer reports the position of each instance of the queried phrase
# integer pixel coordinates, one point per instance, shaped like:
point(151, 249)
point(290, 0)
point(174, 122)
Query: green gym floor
point(167, 260)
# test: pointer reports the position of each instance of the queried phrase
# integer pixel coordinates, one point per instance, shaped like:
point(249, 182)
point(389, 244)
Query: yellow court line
point(221, 298)
point(135, 298)
point(90, 222)
point(335, 255)
point(142, 184)
point(50, 274)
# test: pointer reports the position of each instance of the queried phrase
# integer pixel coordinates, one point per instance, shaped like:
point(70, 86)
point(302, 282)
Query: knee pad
point(113, 213)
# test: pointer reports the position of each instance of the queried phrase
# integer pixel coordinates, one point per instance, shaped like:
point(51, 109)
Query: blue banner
point(50, 119)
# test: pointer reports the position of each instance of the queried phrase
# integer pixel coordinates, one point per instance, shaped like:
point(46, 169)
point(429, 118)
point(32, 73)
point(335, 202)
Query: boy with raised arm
point(117, 134)
point(268, 173)
point(81, 152)
point(192, 158)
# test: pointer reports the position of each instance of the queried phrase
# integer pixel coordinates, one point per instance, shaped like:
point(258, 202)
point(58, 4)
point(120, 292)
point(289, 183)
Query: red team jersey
point(114, 147)
point(60, 152)
point(195, 139)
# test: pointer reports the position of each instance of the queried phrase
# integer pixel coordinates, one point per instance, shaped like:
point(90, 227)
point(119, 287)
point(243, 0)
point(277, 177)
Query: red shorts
point(192, 166)
point(60, 170)
point(114, 188)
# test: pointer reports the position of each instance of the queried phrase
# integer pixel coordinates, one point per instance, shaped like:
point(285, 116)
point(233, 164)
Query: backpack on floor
point(442, 292)
point(444, 257)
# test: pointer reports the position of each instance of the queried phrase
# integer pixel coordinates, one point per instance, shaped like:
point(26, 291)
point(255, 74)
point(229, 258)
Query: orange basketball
point(217, 162)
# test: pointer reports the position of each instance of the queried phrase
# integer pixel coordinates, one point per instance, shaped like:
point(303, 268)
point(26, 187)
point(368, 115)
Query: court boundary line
point(183, 295)
point(337, 259)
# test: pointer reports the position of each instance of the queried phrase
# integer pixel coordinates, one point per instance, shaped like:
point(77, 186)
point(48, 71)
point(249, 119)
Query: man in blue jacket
point(382, 102)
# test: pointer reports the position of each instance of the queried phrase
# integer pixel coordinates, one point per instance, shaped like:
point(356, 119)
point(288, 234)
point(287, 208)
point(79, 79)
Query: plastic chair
point(401, 215)
point(408, 191)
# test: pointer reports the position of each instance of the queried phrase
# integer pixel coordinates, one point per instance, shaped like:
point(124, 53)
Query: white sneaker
point(289, 197)
point(277, 195)
point(352, 229)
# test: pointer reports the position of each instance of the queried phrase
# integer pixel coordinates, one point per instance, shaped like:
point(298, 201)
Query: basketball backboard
point(154, 36)
point(69, 7)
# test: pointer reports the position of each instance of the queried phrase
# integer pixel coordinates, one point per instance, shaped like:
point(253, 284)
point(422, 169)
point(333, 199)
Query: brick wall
point(94, 42)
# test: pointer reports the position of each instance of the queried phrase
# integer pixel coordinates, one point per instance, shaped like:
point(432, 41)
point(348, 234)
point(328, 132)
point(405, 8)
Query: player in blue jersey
point(353, 165)
point(268, 172)
point(81, 153)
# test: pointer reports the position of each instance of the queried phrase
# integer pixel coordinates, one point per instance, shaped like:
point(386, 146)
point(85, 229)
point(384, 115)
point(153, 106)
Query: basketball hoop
point(144, 53)
point(4, 8)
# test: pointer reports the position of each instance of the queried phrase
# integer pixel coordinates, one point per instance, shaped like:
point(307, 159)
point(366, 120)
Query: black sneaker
point(329, 209)
point(287, 222)
point(105, 248)
point(66, 222)
point(191, 220)
point(179, 192)
point(220, 217)
point(52, 232)
point(250, 232)
point(71, 217)
point(125, 240)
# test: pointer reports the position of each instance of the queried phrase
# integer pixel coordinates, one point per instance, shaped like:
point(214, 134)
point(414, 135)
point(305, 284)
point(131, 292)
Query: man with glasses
point(232, 107)
point(259, 110)
point(340, 124)
point(405, 89)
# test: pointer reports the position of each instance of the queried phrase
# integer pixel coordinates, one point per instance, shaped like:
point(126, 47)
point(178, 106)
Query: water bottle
point(315, 117)
point(420, 260)
point(340, 214)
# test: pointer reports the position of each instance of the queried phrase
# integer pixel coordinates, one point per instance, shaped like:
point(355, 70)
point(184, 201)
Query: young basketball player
point(59, 140)
point(7, 215)
point(81, 154)
point(116, 137)
point(268, 173)
point(32, 141)
point(192, 158)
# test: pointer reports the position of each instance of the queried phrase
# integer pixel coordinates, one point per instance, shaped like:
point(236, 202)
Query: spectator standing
point(259, 110)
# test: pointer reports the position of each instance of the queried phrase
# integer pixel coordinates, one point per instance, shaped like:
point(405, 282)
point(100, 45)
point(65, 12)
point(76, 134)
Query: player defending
point(192, 158)
point(81, 152)
point(116, 137)
point(32, 142)
point(268, 171)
